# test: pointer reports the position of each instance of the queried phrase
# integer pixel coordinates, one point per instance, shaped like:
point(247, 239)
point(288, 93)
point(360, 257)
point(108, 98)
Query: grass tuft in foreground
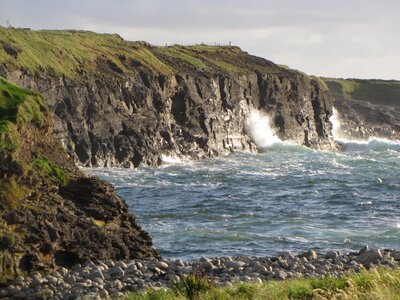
point(380, 283)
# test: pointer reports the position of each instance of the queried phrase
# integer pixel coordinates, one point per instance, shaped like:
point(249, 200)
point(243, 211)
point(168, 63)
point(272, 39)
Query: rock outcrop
point(51, 213)
point(367, 108)
point(119, 103)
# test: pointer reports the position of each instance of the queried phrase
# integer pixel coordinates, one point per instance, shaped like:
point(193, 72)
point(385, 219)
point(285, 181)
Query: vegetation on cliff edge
point(75, 54)
point(24, 120)
point(374, 91)
point(17, 107)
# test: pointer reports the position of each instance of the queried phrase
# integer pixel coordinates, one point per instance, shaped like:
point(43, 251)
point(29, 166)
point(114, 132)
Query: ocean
point(287, 198)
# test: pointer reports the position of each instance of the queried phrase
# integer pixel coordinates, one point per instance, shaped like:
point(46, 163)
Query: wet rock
point(331, 254)
point(368, 256)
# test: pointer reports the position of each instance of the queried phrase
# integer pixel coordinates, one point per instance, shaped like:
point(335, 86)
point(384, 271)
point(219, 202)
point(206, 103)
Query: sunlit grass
point(379, 283)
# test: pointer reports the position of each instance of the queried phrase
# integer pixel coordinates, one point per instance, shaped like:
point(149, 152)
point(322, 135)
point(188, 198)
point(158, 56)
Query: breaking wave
point(349, 144)
point(259, 129)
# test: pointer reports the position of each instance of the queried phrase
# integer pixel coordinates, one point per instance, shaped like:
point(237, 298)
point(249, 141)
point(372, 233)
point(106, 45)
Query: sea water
point(286, 198)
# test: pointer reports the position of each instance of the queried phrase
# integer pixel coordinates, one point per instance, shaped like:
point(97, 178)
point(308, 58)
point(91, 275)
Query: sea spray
point(372, 143)
point(336, 125)
point(170, 159)
point(258, 127)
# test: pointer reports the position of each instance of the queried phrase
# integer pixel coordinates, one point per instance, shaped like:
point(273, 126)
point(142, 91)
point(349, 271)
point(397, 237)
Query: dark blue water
point(287, 198)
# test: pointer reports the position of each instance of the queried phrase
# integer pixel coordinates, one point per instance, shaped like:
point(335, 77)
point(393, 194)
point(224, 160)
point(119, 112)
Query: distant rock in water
point(119, 103)
point(366, 108)
point(51, 213)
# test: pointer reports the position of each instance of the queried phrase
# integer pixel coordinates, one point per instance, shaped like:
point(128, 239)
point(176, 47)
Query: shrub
point(191, 286)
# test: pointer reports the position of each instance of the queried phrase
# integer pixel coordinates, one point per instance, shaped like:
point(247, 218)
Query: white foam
point(368, 141)
point(336, 125)
point(170, 159)
point(258, 127)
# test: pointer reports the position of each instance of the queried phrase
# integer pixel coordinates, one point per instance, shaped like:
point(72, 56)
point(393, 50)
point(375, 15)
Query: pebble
point(62, 272)
point(331, 254)
point(100, 280)
point(235, 264)
point(36, 281)
point(368, 256)
point(207, 265)
point(116, 272)
point(280, 275)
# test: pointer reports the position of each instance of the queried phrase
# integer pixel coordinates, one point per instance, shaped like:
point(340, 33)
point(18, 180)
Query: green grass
point(379, 283)
point(73, 54)
point(11, 194)
point(180, 53)
point(68, 52)
point(348, 86)
point(43, 167)
point(381, 92)
point(17, 107)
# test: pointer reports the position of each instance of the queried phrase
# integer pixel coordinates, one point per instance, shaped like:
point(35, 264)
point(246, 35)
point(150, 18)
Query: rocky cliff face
point(367, 108)
point(136, 103)
point(50, 213)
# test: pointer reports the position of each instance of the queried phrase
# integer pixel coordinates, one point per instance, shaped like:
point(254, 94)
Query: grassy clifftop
point(385, 92)
point(75, 53)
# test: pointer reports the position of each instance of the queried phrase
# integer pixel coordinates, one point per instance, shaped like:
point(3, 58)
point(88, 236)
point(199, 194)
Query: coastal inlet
point(288, 198)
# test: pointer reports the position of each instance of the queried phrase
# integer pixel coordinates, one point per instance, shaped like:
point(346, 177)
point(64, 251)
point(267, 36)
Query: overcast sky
point(340, 38)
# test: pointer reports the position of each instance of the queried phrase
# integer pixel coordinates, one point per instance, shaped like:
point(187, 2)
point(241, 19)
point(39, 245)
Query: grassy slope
point(375, 91)
point(374, 284)
point(24, 167)
point(75, 53)
point(17, 107)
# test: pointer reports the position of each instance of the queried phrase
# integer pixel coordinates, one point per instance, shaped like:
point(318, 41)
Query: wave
point(372, 143)
point(258, 126)
point(336, 124)
point(349, 144)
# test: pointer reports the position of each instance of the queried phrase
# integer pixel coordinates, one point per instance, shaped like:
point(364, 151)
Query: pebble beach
point(103, 279)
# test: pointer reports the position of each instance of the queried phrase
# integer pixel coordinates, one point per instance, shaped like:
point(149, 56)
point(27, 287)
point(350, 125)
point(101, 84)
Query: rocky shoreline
point(102, 279)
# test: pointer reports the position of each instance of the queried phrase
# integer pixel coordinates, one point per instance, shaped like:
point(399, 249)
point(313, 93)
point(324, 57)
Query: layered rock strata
point(130, 109)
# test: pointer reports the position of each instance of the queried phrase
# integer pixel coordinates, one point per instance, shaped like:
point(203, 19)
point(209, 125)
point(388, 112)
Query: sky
point(340, 38)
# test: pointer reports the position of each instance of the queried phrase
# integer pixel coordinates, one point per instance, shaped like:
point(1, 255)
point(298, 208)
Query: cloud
point(342, 38)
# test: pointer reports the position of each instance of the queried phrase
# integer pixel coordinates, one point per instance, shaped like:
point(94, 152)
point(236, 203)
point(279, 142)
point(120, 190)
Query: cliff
point(50, 213)
point(119, 103)
point(367, 108)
